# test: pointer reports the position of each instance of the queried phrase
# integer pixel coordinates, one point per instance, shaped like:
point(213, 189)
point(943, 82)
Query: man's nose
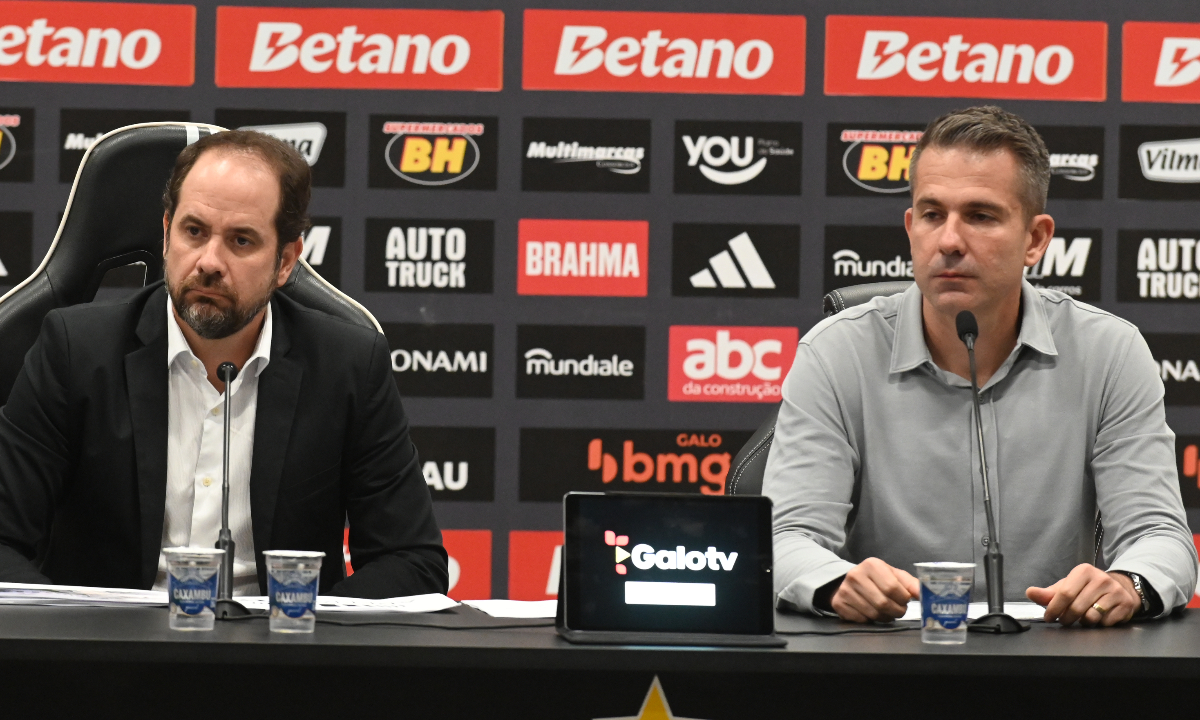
point(950, 240)
point(212, 256)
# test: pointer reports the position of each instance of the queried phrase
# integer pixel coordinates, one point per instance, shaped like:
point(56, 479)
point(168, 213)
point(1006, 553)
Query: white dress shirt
point(195, 435)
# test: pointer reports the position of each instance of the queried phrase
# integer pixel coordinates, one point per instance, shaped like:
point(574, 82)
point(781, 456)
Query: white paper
point(516, 608)
point(432, 602)
point(1019, 610)
point(73, 595)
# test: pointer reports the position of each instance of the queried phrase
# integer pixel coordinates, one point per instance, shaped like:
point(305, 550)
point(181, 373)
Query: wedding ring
point(1097, 608)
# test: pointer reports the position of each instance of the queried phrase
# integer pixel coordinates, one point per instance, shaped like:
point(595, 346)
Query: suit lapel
point(146, 382)
point(278, 394)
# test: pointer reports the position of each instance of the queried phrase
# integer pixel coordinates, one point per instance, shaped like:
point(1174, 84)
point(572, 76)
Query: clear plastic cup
point(292, 579)
point(192, 574)
point(945, 597)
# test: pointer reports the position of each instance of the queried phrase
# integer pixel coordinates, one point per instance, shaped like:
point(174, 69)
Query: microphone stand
point(227, 607)
point(996, 621)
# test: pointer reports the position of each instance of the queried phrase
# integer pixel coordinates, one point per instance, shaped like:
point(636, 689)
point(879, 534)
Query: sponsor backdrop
point(593, 232)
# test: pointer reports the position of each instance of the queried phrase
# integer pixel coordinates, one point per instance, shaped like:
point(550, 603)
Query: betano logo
point(880, 158)
point(432, 153)
point(640, 467)
point(726, 269)
point(645, 557)
point(1160, 62)
point(717, 151)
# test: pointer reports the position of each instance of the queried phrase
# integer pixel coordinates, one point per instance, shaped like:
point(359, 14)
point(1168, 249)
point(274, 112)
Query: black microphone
point(226, 606)
point(996, 620)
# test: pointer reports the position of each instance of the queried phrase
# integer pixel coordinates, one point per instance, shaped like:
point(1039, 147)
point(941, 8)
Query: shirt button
point(207, 481)
point(984, 540)
point(216, 411)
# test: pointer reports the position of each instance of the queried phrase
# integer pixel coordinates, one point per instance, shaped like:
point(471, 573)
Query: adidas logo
point(727, 273)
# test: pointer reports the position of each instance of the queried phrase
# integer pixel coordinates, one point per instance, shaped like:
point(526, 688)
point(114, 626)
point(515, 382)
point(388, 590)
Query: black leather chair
point(746, 471)
point(113, 218)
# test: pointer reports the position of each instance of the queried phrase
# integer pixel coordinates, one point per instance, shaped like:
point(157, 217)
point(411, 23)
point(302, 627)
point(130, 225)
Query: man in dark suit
point(109, 443)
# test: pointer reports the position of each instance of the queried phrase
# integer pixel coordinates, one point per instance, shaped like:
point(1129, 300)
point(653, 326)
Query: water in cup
point(292, 580)
point(192, 586)
point(945, 597)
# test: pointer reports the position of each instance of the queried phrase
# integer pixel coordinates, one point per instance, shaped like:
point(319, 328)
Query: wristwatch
point(1140, 589)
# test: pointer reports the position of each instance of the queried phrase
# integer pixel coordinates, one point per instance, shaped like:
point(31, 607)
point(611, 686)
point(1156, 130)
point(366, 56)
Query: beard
point(205, 316)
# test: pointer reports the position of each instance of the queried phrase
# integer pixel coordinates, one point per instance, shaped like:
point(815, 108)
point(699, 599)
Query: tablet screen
point(649, 562)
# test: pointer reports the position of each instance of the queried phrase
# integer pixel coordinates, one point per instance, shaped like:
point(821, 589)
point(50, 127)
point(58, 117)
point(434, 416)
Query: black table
point(55, 661)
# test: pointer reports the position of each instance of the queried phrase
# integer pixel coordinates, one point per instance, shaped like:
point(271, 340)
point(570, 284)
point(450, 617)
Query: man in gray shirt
point(874, 466)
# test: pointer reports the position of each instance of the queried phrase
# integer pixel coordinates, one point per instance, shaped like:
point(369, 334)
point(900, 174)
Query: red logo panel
point(470, 563)
point(98, 42)
point(533, 564)
point(583, 257)
point(355, 48)
point(664, 52)
point(965, 57)
point(1160, 62)
point(729, 364)
point(1195, 601)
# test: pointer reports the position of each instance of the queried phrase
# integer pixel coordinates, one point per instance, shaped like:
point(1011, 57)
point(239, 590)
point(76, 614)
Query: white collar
point(177, 344)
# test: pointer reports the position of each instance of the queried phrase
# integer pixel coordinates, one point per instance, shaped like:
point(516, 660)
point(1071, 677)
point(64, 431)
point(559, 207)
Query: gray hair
point(986, 129)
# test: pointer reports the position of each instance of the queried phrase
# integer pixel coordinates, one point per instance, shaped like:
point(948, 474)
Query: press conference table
point(59, 660)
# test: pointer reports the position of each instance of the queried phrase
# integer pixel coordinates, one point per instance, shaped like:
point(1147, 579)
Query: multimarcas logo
point(729, 364)
point(79, 129)
point(664, 52)
point(318, 136)
point(557, 460)
point(441, 360)
point(459, 463)
point(413, 151)
point(427, 255)
point(16, 144)
point(359, 48)
point(737, 158)
point(1158, 266)
point(583, 257)
point(1160, 62)
point(581, 361)
point(735, 260)
point(98, 42)
point(965, 57)
point(1076, 161)
point(1177, 356)
point(16, 247)
point(869, 159)
point(590, 155)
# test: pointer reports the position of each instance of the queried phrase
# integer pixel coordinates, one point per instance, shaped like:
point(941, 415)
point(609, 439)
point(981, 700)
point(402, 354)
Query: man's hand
point(874, 590)
point(1072, 599)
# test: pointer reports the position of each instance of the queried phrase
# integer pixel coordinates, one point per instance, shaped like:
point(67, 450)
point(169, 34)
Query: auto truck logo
point(726, 270)
point(307, 138)
point(1172, 161)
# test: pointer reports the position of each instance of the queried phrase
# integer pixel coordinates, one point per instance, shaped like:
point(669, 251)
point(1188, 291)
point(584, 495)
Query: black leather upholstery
point(746, 471)
point(114, 218)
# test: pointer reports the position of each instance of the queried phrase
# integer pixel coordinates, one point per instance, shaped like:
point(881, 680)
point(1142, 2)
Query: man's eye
point(192, 230)
point(242, 242)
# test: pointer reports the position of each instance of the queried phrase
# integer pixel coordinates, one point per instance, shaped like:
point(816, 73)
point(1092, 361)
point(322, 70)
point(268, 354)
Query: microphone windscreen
point(966, 325)
point(228, 372)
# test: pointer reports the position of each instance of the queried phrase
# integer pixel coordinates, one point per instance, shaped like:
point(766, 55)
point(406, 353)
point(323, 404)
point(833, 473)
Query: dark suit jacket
point(83, 454)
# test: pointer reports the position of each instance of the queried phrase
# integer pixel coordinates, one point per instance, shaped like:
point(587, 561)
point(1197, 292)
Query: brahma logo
point(1176, 355)
point(434, 152)
point(869, 159)
point(359, 48)
point(1160, 62)
point(97, 42)
point(1157, 266)
point(709, 364)
point(555, 461)
point(965, 57)
point(583, 257)
point(664, 52)
point(737, 158)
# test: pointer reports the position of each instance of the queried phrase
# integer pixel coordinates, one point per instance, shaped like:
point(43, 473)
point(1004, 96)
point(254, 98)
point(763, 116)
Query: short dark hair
point(295, 177)
point(986, 129)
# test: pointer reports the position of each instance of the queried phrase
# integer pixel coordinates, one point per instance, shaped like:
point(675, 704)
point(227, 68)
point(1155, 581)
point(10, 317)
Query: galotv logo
point(664, 52)
point(97, 42)
point(359, 48)
point(645, 557)
point(965, 57)
point(1160, 62)
point(729, 364)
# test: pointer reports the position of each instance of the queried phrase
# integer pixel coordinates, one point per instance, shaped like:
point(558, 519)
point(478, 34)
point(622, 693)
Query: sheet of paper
point(1019, 610)
point(516, 608)
point(73, 595)
point(432, 602)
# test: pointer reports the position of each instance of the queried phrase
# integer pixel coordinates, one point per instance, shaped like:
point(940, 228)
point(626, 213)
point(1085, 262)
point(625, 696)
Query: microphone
point(226, 606)
point(996, 621)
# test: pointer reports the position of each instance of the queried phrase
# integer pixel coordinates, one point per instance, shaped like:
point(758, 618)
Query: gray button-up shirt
point(874, 453)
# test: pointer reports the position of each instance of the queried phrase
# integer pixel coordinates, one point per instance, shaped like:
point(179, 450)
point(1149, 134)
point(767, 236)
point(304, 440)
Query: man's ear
point(166, 231)
point(1041, 231)
point(287, 261)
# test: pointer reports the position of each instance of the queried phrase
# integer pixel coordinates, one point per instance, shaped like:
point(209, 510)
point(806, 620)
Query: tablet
point(639, 567)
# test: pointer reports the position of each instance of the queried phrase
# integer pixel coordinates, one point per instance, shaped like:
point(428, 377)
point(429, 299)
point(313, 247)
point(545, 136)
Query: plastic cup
point(945, 597)
point(192, 586)
point(292, 579)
